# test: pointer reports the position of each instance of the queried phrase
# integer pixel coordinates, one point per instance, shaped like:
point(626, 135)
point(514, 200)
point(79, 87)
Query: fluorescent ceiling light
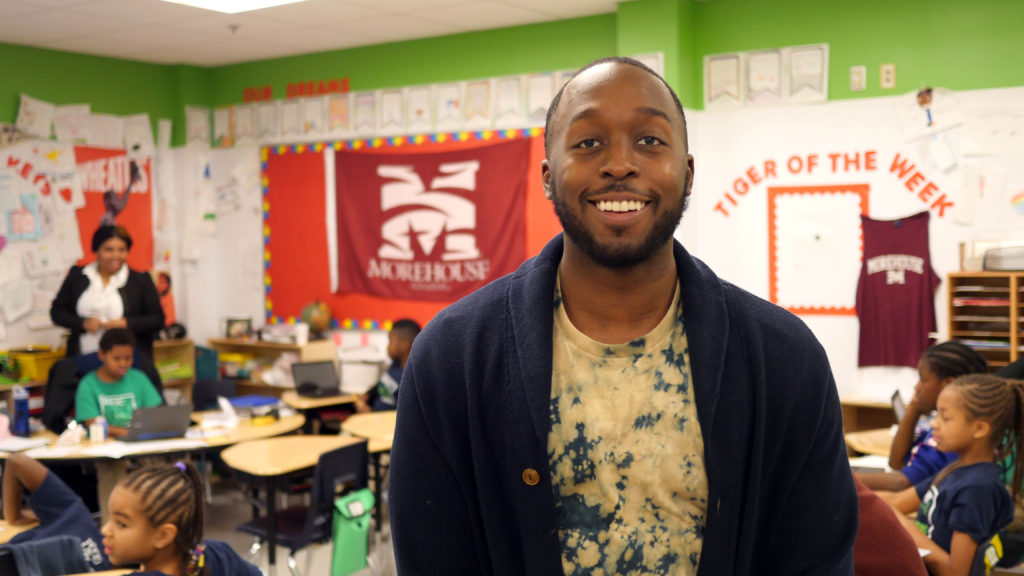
point(233, 6)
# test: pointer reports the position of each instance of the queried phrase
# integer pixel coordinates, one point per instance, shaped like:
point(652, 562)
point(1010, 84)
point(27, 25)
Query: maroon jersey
point(895, 294)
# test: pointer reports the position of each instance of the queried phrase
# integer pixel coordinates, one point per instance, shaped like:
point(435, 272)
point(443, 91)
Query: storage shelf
point(993, 302)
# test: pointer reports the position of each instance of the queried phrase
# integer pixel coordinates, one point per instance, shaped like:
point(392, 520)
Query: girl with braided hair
point(913, 452)
point(156, 521)
point(981, 420)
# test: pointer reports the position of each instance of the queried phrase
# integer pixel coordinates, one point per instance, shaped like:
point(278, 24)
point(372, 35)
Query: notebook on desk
point(316, 379)
point(159, 422)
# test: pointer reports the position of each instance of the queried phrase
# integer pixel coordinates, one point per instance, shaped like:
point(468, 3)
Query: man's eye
point(650, 141)
point(588, 143)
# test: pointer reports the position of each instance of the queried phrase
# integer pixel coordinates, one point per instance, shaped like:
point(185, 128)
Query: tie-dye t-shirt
point(626, 451)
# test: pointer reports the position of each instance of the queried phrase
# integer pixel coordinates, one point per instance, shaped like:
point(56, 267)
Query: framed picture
point(238, 327)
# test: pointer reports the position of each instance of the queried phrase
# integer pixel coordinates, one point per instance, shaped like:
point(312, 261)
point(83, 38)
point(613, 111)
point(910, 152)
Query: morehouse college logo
point(429, 236)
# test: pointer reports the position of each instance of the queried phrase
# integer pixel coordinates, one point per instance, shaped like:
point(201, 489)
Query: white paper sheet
point(266, 120)
point(245, 125)
point(980, 201)
point(223, 119)
point(923, 115)
point(448, 107)
point(116, 449)
point(163, 134)
point(35, 116)
point(478, 105)
point(540, 90)
point(764, 77)
point(722, 81)
point(197, 125)
point(138, 135)
point(339, 116)
point(808, 73)
point(313, 116)
point(509, 102)
point(17, 299)
point(391, 113)
point(71, 123)
point(417, 110)
point(291, 118)
point(365, 118)
point(107, 131)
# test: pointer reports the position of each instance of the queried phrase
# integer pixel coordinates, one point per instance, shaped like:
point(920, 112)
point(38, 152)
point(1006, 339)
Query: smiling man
point(613, 407)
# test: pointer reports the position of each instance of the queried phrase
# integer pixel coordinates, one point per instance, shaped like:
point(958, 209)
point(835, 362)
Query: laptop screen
point(322, 374)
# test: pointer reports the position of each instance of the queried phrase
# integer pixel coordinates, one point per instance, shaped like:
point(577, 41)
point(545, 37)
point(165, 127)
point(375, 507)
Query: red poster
point(105, 175)
point(430, 226)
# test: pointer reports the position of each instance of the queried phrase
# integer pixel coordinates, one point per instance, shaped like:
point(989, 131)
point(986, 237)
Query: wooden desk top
point(114, 572)
point(378, 427)
point(281, 455)
point(292, 398)
point(7, 531)
point(875, 442)
point(865, 403)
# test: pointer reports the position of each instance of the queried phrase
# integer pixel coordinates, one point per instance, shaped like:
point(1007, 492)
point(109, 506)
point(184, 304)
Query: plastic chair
point(336, 472)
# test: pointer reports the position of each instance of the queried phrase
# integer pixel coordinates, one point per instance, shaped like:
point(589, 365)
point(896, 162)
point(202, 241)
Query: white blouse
point(101, 302)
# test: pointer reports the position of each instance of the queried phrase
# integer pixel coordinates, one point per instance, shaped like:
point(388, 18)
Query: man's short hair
point(406, 328)
point(116, 337)
point(618, 60)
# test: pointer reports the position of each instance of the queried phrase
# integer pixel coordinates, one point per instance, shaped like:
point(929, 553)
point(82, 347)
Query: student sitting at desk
point(115, 389)
point(914, 452)
point(58, 509)
point(384, 396)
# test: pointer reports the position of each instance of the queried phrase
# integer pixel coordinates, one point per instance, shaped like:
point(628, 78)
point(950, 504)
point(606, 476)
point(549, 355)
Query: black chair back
point(343, 469)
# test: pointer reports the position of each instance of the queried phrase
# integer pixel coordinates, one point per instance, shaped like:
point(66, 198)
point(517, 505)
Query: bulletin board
point(296, 253)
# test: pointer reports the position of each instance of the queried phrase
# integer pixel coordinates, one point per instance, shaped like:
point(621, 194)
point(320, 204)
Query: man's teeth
point(619, 206)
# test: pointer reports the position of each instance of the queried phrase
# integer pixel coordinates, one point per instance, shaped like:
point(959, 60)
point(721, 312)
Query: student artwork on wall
point(448, 107)
point(57, 162)
point(808, 73)
point(764, 77)
point(478, 104)
point(509, 102)
point(390, 113)
point(927, 112)
point(35, 116)
point(540, 89)
point(107, 131)
point(314, 120)
point(197, 125)
point(138, 135)
point(722, 81)
point(290, 122)
point(339, 114)
point(993, 123)
point(223, 127)
point(245, 125)
point(418, 110)
point(71, 123)
point(266, 120)
point(365, 120)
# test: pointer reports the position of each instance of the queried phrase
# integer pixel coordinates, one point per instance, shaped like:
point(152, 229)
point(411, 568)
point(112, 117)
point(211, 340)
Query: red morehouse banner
point(430, 226)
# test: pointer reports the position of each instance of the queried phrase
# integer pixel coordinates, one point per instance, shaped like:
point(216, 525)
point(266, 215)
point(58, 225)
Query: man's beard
point(610, 255)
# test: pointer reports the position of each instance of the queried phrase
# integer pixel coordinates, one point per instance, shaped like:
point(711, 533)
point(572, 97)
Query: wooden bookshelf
point(176, 354)
point(986, 312)
point(309, 352)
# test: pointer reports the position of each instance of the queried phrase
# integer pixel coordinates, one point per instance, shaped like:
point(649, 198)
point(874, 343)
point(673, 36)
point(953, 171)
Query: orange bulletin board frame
point(296, 268)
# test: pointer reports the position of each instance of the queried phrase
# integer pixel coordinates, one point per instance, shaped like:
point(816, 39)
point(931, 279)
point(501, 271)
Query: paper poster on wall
point(981, 199)
point(291, 118)
point(266, 120)
point(138, 135)
point(653, 60)
point(35, 116)
point(17, 299)
point(390, 113)
point(313, 116)
point(223, 127)
point(11, 135)
point(994, 123)
point(365, 104)
point(808, 73)
point(448, 107)
point(23, 223)
point(71, 123)
point(417, 110)
point(57, 162)
point(107, 131)
point(928, 111)
point(722, 88)
point(245, 125)
point(814, 247)
point(540, 90)
point(764, 77)
point(478, 105)
point(339, 117)
point(197, 125)
point(509, 102)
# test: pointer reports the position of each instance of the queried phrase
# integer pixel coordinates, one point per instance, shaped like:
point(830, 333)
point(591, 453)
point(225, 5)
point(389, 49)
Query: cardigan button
point(531, 477)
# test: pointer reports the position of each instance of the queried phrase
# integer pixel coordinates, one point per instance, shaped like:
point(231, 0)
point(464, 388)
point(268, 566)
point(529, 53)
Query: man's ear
point(545, 176)
point(165, 535)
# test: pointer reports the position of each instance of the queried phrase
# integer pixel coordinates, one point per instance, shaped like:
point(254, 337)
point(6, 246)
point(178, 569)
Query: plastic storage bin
point(351, 532)
point(35, 361)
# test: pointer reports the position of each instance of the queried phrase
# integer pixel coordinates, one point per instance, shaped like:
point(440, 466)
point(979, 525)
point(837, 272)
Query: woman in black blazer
point(107, 294)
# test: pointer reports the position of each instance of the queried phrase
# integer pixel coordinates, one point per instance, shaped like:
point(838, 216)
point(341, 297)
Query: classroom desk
point(271, 460)
point(379, 429)
point(7, 531)
point(875, 442)
point(114, 572)
point(866, 414)
point(310, 407)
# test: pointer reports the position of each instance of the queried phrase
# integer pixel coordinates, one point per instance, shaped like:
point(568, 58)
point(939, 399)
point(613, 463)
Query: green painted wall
point(950, 43)
point(110, 85)
point(517, 50)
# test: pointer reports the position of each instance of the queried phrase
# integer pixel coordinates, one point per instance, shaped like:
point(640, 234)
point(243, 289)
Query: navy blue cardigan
point(473, 425)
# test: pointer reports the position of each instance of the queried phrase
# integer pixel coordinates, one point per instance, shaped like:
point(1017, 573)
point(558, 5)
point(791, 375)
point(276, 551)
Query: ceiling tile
point(136, 38)
point(59, 24)
point(226, 26)
point(321, 13)
point(399, 6)
point(317, 39)
point(10, 8)
point(396, 27)
point(144, 12)
point(481, 15)
point(567, 8)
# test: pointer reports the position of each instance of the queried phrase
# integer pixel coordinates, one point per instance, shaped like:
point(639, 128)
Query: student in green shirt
point(115, 389)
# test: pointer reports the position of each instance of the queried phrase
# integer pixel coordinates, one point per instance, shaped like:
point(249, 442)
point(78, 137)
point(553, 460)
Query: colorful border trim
point(356, 144)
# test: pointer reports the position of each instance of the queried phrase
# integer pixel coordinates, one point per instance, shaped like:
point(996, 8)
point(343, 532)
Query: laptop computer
point(316, 379)
point(159, 422)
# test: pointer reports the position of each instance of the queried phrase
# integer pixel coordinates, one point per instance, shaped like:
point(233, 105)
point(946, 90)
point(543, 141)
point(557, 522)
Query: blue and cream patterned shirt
point(626, 451)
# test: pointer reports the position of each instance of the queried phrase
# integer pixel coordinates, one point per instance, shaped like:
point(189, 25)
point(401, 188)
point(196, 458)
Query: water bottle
point(20, 426)
point(98, 430)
